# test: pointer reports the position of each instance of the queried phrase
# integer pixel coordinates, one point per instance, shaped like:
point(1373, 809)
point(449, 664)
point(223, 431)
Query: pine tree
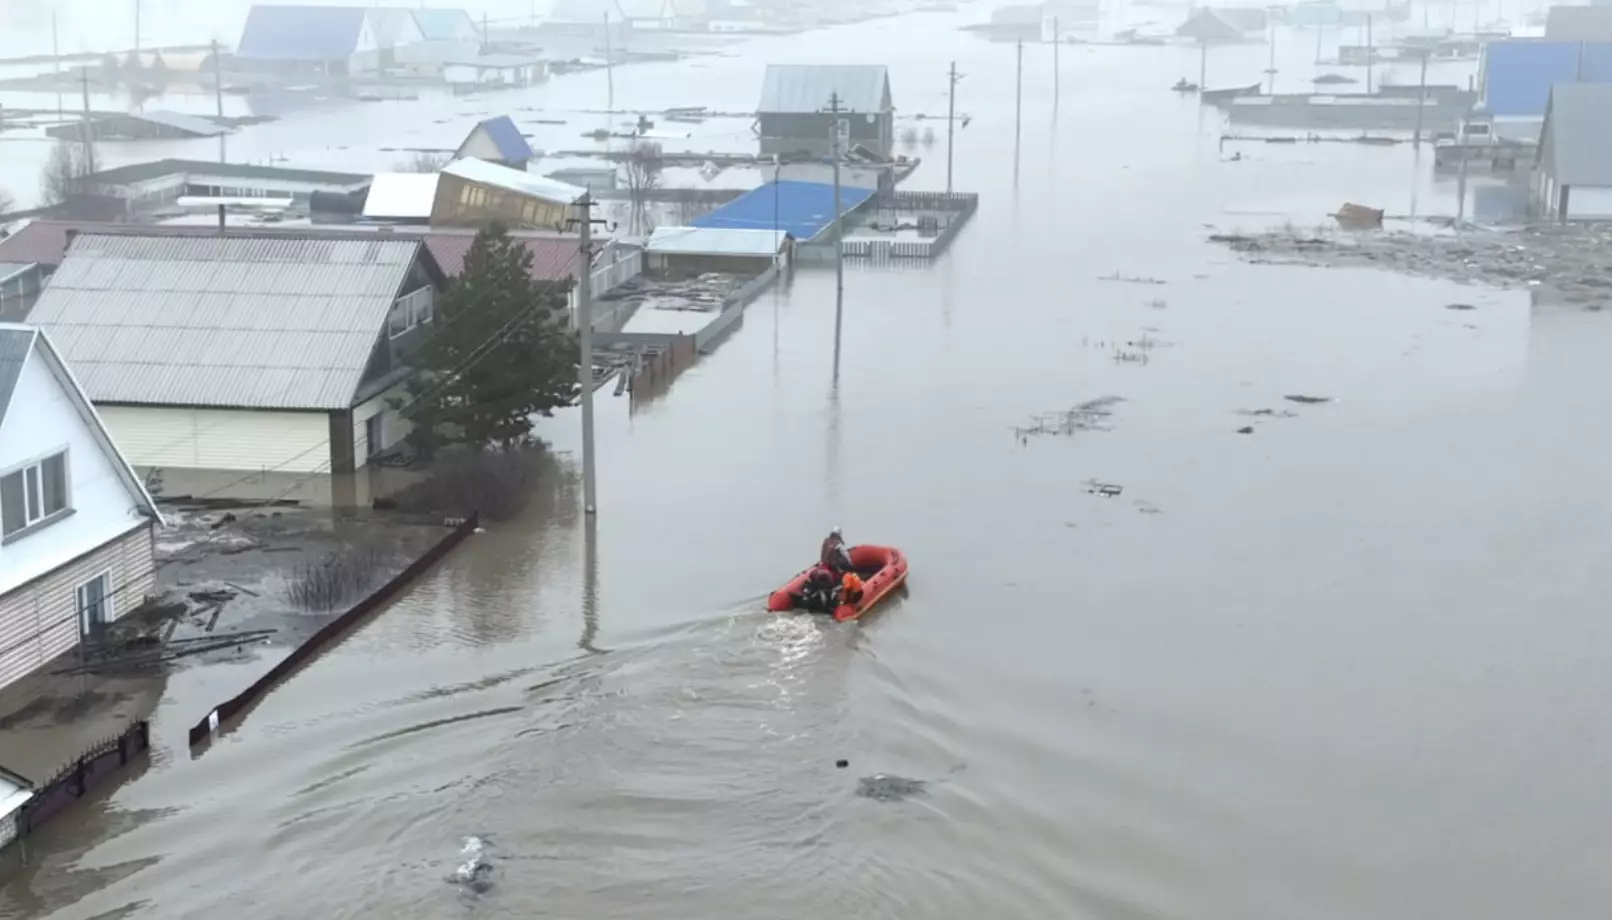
point(498, 354)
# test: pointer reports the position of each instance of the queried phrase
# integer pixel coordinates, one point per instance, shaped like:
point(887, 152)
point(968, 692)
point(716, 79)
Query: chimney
point(220, 218)
point(69, 234)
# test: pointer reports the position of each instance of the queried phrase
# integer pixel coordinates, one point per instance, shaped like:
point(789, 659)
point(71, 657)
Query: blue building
point(1516, 75)
point(497, 140)
point(804, 210)
point(324, 39)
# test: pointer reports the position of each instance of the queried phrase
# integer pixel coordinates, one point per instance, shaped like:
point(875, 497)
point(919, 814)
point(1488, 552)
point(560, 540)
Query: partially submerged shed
point(715, 249)
point(475, 193)
point(1573, 176)
point(795, 101)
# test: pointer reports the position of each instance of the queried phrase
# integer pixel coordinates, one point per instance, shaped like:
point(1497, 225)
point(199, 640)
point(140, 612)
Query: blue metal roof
point(300, 33)
point(507, 138)
point(1517, 74)
point(801, 209)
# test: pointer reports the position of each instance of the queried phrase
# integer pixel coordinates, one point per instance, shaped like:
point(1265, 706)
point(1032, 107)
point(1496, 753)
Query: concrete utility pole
point(1421, 101)
point(137, 31)
point(1320, 29)
point(839, 233)
point(89, 125)
point(56, 63)
point(951, 122)
point(585, 222)
point(1018, 109)
point(1203, 66)
point(1370, 54)
point(610, 70)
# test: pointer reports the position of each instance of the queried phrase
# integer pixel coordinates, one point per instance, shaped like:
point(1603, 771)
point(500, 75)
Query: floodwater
point(1352, 664)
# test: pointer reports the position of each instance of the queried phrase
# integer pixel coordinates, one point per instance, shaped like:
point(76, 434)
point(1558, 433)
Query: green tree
point(498, 353)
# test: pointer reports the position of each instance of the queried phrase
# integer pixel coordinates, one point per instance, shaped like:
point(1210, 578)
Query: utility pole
point(484, 32)
point(1018, 108)
point(218, 97)
point(1056, 41)
point(585, 222)
point(951, 122)
point(89, 126)
point(1370, 54)
point(1320, 30)
point(1203, 66)
point(137, 31)
point(610, 70)
point(56, 63)
point(839, 234)
point(1271, 67)
point(1421, 101)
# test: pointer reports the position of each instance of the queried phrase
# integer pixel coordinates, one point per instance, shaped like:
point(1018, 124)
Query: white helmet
point(835, 532)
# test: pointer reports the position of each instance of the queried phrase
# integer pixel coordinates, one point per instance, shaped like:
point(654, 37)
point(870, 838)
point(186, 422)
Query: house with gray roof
point(248, 352)
point(77, 525)
point(1573, 173)
point(323, 39)
point(795, 100)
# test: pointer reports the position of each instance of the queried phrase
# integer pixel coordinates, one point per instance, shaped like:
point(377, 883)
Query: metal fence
point(75, 780)
point(959, 207)
point(238, 704)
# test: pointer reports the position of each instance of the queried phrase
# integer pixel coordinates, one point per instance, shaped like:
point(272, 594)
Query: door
point(95, 604)
point(374, 435)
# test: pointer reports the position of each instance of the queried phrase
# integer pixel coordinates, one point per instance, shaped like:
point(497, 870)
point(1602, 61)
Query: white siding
point(42, 420)
point(478, 144)
point(1589, 202)
point(393, 425)
point(221, 439)
point(40, 620)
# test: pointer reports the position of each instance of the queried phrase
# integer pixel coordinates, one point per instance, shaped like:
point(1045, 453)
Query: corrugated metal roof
point(715, 241)
point(300, 33)
point(445, 25)
point(401, 195)
point(15, 344)
point(190, 124)
point(514, 180)
point(262, 323)
point(1579, 24)
point(1517, 74)
point(806, 88)
point(511, 144)
point(1577, 139)
point(801, 209)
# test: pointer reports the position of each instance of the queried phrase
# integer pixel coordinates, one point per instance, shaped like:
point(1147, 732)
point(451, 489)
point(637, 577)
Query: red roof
point(44, 242)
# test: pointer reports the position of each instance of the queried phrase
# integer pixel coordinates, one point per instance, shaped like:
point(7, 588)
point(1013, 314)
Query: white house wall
point(394, 426)
point(221, 439)
point(42, 420)
point(40, 620)
point(478, 144)
point(1589, 202)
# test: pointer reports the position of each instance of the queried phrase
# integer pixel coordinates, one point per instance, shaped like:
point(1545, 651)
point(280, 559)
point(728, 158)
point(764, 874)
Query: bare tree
point(643, 166)
point(424, 161)
point(69, 163)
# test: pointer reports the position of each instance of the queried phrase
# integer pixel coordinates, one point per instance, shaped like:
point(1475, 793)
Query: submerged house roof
point(1516, 75)
point(501, 132)
point(1209, 26)
point(401, 196)
point(1575, 146)
point(798, 89)
point(301, 33)
point(243, 322)
point(802, 209)
point(1579, 24)
point(439, 25)
point(514, 180)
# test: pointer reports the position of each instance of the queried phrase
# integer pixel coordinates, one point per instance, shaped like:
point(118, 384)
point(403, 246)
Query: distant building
point(474, 193)
point(695, 250)
point(143, 186)
point(442, 25)
point(803, 210)
point(393, 29)
point(77, 526)
point(138, 126)
point(19, 285)
point(494, 71)
point(1024, 20)
point(1579, 24)
point(642, 14)
point(331, 40)
point(1515, 76)
point(1210, 27)
point(1573, 175)
point(497, 140)
point(267, 352)
point(795, 98)
point(595, 179)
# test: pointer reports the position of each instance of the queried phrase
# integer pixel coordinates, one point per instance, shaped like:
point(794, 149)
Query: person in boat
point(851, 589)
point(833, 555)
point(817, 594)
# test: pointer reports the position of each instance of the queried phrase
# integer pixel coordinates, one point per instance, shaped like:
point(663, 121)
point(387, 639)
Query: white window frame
point(34, 515)
point(414, 309)
point(108, 602)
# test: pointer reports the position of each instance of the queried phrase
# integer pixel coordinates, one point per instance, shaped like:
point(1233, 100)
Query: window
point(410, 312)
point(33, 494)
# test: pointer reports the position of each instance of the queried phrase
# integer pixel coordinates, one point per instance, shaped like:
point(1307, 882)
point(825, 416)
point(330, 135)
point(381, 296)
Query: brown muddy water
point(1352, 664)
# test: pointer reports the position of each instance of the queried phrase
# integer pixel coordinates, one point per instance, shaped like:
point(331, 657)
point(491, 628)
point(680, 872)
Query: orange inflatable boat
point(882, 568)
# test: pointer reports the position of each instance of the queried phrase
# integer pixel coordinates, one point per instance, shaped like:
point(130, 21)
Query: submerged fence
point(332, 631)
point(73, 781)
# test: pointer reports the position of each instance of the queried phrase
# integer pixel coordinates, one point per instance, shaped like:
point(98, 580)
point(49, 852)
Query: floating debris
point(1091, 415)
point(1460, 306)
point(1132, 279)
point(475, 873)
point(1268, 413)
point(1307, 400)
point(1246, 429)
point(1104, 489)
point(887, 787)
